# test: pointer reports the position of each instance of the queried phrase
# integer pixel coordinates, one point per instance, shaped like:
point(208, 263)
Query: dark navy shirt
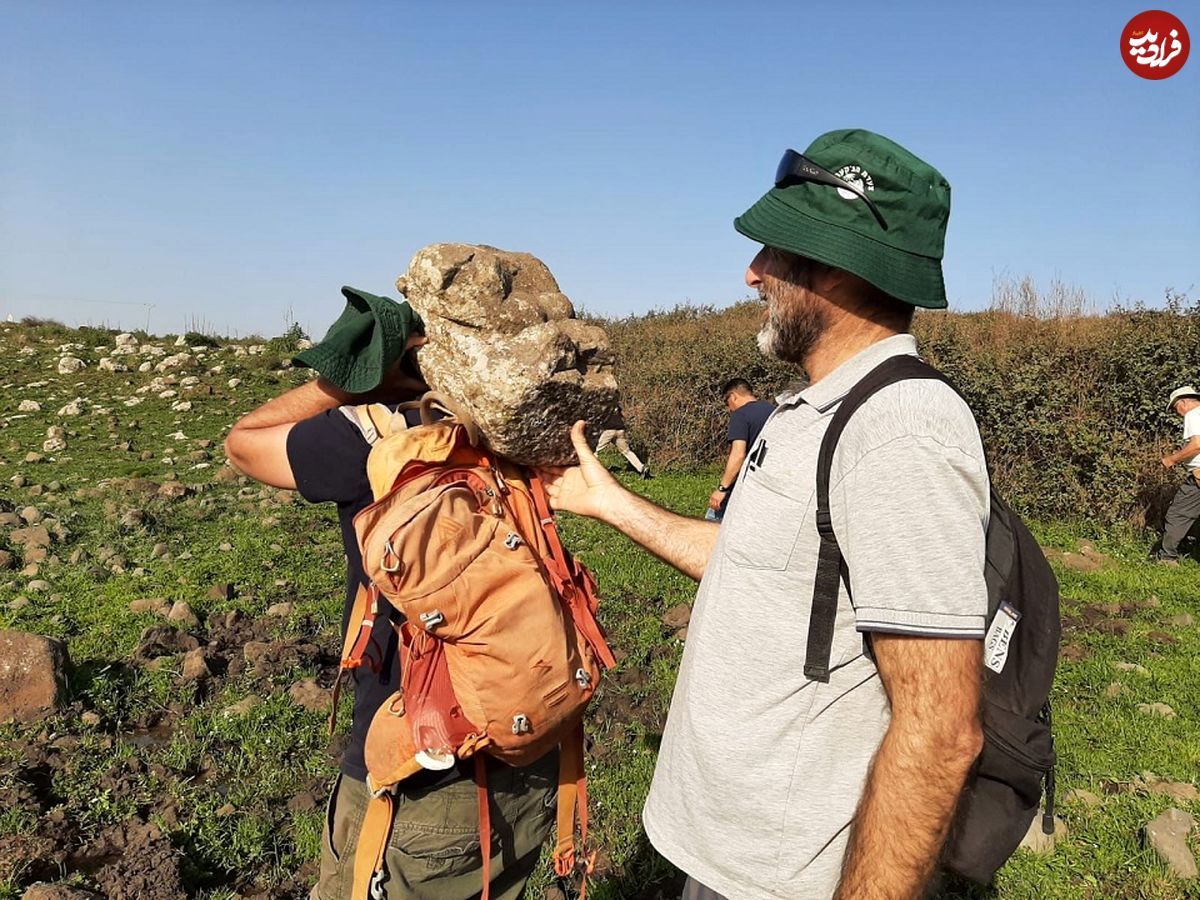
point(328, 456)
point(747, 421)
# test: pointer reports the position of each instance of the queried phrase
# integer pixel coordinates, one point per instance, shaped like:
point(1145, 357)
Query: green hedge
point(1071, 407)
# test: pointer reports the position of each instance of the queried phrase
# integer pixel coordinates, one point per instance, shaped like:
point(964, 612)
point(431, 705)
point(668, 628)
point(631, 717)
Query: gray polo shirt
point(761, 770)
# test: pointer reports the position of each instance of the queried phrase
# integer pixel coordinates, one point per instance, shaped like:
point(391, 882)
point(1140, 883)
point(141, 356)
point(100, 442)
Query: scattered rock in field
point(182, 613)
point(1161, 637)
point(309, 695)
point(108, 364)
point(1116, 689)
point(32, 675)
point(7, 560)
point(73, 408)
point(90, 718)
point(303, 802)
point(33, 536)
point(1156, 709)
point(1084, 797)
point(242, 706)
point(279, 610)
point(39, 585)
point(1117, 627)
point(504, 342)
point(31, 515)
point(32, 457)
point(132, 518)
point(1038, 842)
point(228, 809)
point(157, 605)
point(1131, 667)
point(678, 616)
point(57, 892)
point(1183, 620)
point(159, 550)
point(1176, 790)
point(163, 640)
point(68, 365)
point(253, 651)
point(195, 665)
point(227, 474)
point(173, 490)
point(29, 406)
point(1167, 836)
point(220, 592)
point(1077, 562)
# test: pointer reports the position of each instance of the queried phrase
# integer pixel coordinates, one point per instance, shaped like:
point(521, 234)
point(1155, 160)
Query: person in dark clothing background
point(747, 415)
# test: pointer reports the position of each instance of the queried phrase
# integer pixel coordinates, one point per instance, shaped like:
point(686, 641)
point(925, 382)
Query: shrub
point(1071, 406)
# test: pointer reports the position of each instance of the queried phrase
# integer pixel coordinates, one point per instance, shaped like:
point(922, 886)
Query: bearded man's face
point(795, 317)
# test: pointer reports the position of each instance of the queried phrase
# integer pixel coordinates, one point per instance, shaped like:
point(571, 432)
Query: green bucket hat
point(835, 226)
point(366, 340)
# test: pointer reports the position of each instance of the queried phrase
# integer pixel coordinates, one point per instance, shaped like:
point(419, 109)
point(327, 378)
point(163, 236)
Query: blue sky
point(233, 164)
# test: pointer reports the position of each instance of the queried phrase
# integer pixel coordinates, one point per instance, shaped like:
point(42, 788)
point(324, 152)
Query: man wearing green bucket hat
point(311, 440)
point(774, 779)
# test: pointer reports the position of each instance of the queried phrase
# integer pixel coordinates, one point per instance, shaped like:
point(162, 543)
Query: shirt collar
point(833, 387)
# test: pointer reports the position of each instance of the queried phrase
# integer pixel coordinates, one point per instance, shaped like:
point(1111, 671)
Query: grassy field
point(149, 784)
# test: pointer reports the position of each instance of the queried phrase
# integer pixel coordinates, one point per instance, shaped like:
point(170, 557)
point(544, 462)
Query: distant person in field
point(770, 784)
point(1185, 508)
point(614, 434)
point(747, 415)
point(311, 439)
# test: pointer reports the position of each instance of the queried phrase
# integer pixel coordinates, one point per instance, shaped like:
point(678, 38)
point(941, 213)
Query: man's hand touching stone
point(588, 488)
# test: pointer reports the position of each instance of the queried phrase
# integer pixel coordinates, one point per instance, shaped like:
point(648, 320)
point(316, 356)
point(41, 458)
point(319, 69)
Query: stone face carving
point(505, 344)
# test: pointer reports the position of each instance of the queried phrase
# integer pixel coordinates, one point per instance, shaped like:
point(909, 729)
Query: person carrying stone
point(769, 784)
point(613, 434)
point(310, 440)
point(1185, 507)
point(747, 415)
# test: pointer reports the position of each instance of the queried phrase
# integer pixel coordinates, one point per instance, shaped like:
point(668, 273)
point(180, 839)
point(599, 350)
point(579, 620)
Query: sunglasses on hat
point(797, 167)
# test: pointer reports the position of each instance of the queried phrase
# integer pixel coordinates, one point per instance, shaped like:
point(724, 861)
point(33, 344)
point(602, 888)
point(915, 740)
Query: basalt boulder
point(504, 343)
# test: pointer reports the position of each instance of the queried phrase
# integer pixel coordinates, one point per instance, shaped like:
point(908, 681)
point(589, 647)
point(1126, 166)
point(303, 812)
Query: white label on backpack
point(999, 637)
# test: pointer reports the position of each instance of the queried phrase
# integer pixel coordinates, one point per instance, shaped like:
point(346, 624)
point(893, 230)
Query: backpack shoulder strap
point(374, 421)
point(830, 563)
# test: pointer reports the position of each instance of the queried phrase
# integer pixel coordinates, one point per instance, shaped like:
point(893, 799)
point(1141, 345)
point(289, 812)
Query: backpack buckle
point(583, 678)
point(824, 523)
point(432, 619)
point(377, 885)
point(389, 550)
point(513, 541)
point(520, 724)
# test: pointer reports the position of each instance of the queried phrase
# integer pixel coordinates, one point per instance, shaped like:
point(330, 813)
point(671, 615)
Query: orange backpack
point(500, 650)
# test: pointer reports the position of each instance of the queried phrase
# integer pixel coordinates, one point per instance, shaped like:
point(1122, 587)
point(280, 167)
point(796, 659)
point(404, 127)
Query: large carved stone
point(505, 344)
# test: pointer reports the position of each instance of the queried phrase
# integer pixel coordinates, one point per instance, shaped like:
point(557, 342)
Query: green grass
point(188, 774)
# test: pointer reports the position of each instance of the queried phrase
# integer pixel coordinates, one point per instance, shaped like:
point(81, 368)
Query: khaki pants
point(617, 436)
point(434, 851)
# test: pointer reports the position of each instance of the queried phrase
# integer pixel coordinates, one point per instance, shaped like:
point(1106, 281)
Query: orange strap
point(485, 823)
point(576, 587)
point(372, 844)
point(572, 800)
point(355, 642)
point(358, 629)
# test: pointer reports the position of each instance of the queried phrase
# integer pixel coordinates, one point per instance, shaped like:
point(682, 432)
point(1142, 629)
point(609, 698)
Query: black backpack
point(1002, 793)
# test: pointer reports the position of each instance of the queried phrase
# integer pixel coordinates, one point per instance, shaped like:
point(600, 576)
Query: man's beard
point(795, 321)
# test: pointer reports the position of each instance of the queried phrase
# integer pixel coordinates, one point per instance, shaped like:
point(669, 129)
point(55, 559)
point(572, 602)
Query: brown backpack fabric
point(500, 650)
